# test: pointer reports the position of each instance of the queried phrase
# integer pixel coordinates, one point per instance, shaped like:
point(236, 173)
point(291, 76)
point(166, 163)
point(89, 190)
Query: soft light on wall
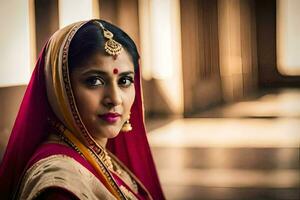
point(15, 43)
point(160, 34)
point(288, 40)
point(161, 12)
point(71, 11)
point(231, 67)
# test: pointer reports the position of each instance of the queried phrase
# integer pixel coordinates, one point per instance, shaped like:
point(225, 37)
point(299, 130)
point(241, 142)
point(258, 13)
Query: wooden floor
point(247, 150)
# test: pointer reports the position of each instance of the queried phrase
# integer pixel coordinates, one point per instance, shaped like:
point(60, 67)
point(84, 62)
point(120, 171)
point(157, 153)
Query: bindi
point(115, 71)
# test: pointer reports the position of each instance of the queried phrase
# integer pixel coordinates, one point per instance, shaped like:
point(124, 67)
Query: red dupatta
point(30, 128)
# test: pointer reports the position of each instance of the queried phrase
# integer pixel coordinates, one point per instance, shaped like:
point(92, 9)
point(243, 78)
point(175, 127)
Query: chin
point(110, 133)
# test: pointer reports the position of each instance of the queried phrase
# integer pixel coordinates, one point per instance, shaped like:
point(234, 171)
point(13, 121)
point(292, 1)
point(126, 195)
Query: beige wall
point(11, 98)
point(15, 43)
point(238, 52)
point(269, 75)
point(200, 55)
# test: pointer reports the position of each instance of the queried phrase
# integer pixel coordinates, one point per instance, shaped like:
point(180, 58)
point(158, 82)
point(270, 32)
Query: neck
point(101, 141)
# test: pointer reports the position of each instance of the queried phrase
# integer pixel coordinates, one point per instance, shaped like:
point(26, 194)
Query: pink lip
point(110, 117)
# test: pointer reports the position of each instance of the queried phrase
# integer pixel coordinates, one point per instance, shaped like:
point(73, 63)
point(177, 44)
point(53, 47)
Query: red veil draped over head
point(30, 128)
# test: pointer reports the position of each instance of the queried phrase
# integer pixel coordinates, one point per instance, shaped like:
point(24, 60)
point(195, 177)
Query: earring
point(127, 125)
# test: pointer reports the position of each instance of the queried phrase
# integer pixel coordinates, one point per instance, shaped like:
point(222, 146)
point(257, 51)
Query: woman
point(80, 133)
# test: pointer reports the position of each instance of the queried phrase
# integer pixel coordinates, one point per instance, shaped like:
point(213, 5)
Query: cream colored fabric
point(56, 49)
point(59, 89)
point(62, 171)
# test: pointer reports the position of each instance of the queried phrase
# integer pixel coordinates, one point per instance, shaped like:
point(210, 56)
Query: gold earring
point(127, 126)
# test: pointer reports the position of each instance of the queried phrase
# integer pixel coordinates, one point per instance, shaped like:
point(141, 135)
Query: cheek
point(86, 102)
point(130, 99)
point(85, 99)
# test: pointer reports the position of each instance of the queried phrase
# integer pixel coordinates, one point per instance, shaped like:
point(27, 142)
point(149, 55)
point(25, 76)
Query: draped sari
point(28, 156)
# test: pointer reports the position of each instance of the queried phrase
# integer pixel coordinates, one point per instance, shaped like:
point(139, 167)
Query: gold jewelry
point(127, 125)
point(61, 129)
point(127, 193)
point(112, 47)
point(102, 162)
point(106, 160)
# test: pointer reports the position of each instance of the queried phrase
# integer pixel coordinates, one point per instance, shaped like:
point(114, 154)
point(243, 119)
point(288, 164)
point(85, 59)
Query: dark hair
point(89, 39)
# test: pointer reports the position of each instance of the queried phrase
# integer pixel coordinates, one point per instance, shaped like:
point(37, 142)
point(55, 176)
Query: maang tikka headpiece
point(111, 46)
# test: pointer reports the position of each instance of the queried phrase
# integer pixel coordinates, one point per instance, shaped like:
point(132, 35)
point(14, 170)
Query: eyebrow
point(126, 73)
point(99, 72)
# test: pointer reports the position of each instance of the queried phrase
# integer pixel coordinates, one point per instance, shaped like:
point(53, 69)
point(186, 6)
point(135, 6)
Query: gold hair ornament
point(112, 47)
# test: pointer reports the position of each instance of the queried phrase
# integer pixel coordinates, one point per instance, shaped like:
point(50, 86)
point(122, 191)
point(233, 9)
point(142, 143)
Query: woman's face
point(104, 93)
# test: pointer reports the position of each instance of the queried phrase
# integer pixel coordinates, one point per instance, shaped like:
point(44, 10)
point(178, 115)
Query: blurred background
point(221, 81)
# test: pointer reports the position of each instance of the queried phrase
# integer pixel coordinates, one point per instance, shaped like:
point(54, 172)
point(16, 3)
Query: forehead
point(100, 61)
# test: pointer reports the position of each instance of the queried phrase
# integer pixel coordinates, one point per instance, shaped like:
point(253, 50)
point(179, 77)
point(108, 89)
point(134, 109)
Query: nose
point(112, 96)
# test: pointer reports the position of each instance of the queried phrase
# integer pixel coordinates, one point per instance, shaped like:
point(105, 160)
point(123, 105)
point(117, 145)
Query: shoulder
point(61, 171)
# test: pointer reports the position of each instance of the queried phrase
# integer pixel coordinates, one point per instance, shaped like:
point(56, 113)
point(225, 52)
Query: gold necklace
point(108, 163)
point(60, 129)
point(103, 155)
point(101, 158)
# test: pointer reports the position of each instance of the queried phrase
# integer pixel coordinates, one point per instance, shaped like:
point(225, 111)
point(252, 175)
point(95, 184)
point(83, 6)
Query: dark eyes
point(125, 81)
point(94, 81)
